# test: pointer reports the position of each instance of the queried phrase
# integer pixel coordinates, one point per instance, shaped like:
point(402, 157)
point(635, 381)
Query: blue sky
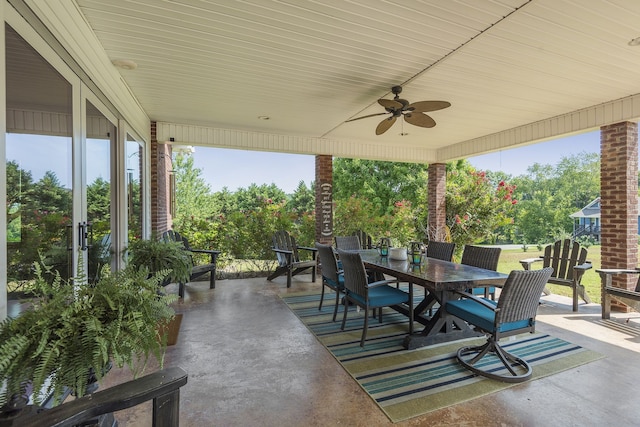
point(237, 168)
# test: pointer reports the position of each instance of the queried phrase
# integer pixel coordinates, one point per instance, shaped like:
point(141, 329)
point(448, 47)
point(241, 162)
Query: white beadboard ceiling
point(515, 71)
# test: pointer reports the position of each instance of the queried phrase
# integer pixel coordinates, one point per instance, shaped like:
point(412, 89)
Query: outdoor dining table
point(441, 279)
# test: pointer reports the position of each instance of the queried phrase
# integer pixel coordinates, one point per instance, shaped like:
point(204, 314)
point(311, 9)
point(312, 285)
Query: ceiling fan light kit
point(412, 113)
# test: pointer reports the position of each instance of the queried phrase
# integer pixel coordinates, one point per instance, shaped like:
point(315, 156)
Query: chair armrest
point(306, 248)
point(282, 251)
point(584, 267)
point(205, 251)
point(212, 253)
point(480, 301)
point(617, 271)
point(526, 263)
point(380, 283)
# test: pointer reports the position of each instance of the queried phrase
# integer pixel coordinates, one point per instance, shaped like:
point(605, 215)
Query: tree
point(193, 194)
point(52, 196)
point(99, 204)
point(254, 196)
point(549, 194)
point(475, 206)
point(303, 200)
point(381, 183)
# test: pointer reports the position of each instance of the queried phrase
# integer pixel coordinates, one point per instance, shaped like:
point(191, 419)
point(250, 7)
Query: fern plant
point(74, 329)
point(159, 255)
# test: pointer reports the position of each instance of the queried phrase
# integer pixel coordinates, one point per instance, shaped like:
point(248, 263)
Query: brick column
point(324, 199)
point(160, 168)
point(619, 199)
point(437, 222)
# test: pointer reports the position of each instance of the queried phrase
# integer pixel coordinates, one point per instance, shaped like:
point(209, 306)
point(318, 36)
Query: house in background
point(586, 222)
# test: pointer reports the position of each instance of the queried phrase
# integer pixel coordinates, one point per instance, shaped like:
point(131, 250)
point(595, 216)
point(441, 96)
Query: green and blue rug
point(409, 383)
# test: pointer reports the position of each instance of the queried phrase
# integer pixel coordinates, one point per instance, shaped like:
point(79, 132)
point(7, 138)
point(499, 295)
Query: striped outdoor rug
point(408, 383)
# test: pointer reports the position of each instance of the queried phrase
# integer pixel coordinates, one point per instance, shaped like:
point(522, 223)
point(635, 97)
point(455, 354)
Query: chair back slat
point(365, 240)
point(562, 256)
point(283, 240)
point(482, 257)
point(355, 274)
point(520, 295)
point(440, 250)
point(348, 243)
point(328, 263)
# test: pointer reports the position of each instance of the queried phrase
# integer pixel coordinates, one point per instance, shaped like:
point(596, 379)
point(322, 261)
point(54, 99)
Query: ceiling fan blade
point(384, 125)
point(419, 119)
point(424, 106)
point(390, 104)
point(364, 117)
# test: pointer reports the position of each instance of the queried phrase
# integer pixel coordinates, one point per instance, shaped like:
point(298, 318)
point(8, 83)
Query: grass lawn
point(509, 260)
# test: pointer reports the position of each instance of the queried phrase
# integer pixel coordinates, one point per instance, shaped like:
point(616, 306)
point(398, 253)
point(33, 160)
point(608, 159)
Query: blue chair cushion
point(382, 296)
point(481, 316)
point(332, 283)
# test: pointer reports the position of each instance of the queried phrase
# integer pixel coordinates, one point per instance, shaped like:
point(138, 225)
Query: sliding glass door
point(39, 156)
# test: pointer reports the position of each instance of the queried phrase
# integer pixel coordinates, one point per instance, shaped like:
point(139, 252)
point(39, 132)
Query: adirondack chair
point(198, 269)
point(569, 262)
point(289, 262)
point(627, 296)
point(365, 239)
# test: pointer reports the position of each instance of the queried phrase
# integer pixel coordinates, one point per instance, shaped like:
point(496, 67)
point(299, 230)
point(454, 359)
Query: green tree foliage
point(254, 196)
point(549, 194)
point(193, 194)
point(476, 207)
point(382, 183)
point(303, 200)
point(99, 205)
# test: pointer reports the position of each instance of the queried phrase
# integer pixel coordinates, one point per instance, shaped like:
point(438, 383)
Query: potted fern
point(158, 255)
point(74, 330)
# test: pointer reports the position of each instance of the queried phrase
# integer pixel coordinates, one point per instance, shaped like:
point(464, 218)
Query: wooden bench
point(198, 269)
point(289, 263)
point(162, 387)
point(627, 296)
point(569, 262)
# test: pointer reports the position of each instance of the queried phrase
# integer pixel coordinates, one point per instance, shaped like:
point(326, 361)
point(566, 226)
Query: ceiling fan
point(412, 113)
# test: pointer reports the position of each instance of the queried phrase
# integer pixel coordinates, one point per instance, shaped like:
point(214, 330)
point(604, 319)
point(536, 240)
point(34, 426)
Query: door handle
point(82, 235)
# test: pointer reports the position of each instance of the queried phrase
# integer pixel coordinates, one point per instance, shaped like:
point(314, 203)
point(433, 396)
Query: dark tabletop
point(433, 273)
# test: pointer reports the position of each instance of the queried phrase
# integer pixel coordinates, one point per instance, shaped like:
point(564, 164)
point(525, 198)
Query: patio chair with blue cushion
point(482, 257)
point(348, 243)
point(331, 276)
point(441, 250)
point(514, 313)
point(370, 295)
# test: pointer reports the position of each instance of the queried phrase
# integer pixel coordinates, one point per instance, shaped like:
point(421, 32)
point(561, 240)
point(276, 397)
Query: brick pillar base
point(437, 222)
point(619, 201)
point(324, 199)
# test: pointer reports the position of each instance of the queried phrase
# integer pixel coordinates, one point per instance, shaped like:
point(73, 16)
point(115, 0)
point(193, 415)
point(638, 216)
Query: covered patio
point(287, 77)
point(264, 367)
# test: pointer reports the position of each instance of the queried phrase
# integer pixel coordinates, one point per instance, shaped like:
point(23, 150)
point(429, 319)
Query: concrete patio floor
point(251, 362)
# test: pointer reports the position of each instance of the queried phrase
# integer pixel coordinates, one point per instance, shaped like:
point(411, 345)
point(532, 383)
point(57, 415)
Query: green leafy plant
point(74, 329)
point(157, 255)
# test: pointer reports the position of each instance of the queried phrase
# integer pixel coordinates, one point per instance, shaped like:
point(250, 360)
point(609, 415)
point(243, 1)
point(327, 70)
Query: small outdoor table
point(441, 279)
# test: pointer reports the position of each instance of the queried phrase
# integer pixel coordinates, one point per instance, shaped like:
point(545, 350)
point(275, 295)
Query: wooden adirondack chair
point(289, 262)
point(569, 262)
point(630, 297)
point(198, 269)
point(365, 239)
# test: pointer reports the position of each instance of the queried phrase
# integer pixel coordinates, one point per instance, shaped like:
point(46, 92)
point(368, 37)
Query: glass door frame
point(80, 95)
